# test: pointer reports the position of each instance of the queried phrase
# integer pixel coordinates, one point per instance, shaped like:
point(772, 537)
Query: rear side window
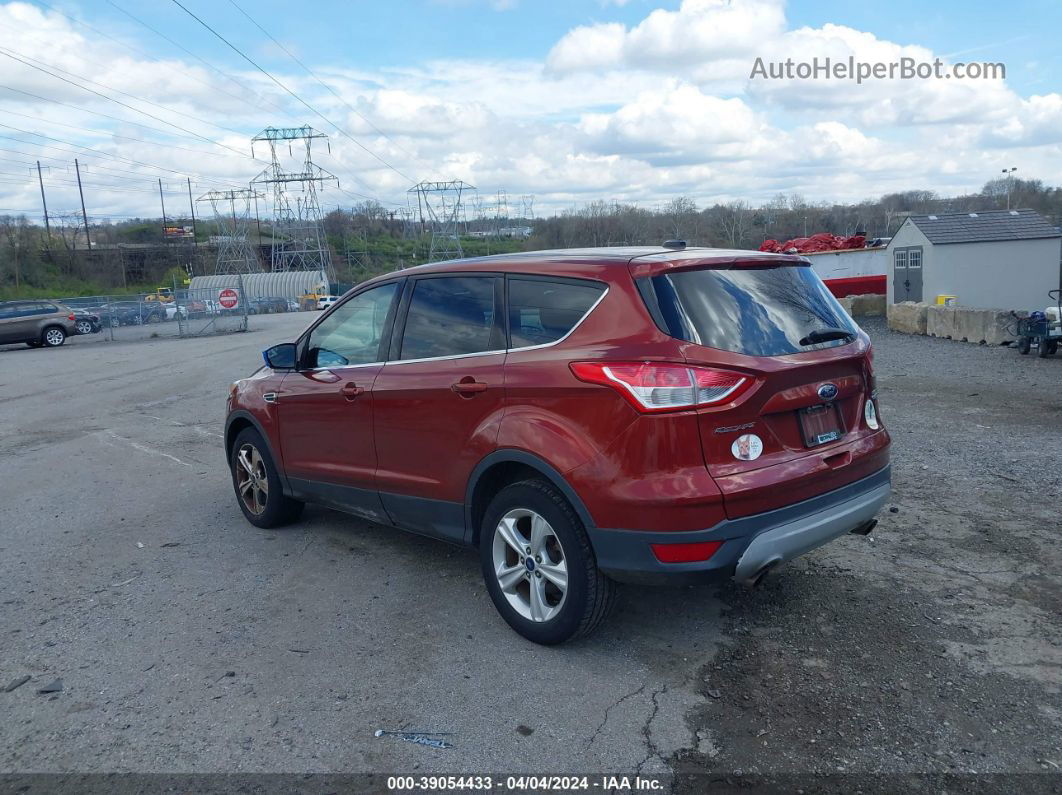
point(754, 311)
point(541, 312)
point(451, 316)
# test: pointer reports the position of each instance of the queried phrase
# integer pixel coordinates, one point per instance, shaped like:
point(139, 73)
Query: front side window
point(769, 311)
point(352, 333)
point(451, 316)
point(541, 312)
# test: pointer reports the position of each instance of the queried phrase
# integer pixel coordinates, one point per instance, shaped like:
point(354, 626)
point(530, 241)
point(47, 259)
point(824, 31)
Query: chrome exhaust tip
point(756, 579)
point(865, 528)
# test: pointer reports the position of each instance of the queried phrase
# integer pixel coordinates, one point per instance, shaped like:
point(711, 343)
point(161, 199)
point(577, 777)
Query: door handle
point(468, 387)
point(351, 390)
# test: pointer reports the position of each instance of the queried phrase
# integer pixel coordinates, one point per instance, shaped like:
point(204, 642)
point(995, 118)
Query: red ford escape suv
point(582, 417)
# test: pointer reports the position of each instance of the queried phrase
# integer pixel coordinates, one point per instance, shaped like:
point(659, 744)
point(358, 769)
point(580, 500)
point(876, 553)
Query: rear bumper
point(749, 543)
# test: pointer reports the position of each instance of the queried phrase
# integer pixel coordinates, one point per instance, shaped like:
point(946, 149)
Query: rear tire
point(533, 515)
point(257, 483)
point(1043, 348)
point(1024, 345)
point(53, 337)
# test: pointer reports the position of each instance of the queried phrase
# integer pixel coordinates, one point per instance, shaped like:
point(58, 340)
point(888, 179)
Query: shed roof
point(984, 226)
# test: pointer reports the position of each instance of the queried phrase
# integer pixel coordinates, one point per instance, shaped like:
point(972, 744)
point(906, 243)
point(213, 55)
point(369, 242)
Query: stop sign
point(228, 298)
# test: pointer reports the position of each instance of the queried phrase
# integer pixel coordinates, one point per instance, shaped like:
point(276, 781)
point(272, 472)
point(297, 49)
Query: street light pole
point(1008, 172)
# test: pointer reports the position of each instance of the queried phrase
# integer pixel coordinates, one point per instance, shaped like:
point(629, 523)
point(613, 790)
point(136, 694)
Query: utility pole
point(163, 200)
point(84, 215)
point(191, 206)
point(47, 226)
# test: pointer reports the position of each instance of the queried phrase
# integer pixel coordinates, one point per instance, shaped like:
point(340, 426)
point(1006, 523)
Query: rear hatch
point(798, 428)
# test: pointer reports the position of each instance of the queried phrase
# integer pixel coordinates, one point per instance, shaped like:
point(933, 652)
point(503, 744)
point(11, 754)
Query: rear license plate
point(820, 424)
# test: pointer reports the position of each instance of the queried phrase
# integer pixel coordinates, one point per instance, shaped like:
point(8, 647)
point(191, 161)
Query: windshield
point(755, 311)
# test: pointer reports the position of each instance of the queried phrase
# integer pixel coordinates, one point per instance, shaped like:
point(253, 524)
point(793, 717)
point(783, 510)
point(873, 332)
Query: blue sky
point(374, 34)
point(570, 101)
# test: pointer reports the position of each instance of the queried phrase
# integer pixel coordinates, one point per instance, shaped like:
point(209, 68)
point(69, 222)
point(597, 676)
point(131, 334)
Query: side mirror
point(280, 357)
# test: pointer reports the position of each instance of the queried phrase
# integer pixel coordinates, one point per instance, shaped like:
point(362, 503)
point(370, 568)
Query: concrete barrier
point(869, 305)
point(979, 326)
point(907, 317)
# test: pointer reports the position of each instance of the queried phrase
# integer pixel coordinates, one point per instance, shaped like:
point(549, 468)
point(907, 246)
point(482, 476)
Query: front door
point(914, 274)
point(326, 406)
point(899, 276)
point(438, 400)
point(907, 274)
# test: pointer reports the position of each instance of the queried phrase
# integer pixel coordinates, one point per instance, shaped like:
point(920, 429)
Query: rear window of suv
point(758, 311)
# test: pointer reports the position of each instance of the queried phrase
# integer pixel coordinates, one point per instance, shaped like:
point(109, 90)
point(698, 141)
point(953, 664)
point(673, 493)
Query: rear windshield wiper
point(827, 334)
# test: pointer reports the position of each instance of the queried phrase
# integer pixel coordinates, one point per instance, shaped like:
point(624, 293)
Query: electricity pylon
point(298, 237)
point(232, 215)
point(439, 207)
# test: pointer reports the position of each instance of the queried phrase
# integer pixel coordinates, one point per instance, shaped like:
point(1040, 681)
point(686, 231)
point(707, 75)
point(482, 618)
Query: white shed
point(992, 259)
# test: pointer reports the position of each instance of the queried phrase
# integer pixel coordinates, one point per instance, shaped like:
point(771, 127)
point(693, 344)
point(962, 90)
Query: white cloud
point(643, 113)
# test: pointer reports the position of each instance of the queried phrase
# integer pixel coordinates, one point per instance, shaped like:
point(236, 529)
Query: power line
point(110, 134)
point(8, 52)
point(327, 87)
point(312, 109)
point(202, 60)
point(143, 52)
point(96, 153)
point(124, 105)
point(107, 116)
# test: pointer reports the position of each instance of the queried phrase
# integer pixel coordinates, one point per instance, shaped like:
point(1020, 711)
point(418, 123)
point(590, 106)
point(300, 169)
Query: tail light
point(71, 317)
point(664, 386)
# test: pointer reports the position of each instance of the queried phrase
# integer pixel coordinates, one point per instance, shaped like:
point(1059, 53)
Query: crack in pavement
point(609, 709)
point(653, 750)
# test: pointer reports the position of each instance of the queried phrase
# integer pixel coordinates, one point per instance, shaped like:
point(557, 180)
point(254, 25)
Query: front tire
point(84, 327)
point(257, 483)
point(539, 567)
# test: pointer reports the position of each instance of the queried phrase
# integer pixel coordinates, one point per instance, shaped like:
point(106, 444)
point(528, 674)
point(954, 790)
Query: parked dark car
point(87, 321)
point(132, 313)
point(36, 323)
point(266, 306)
point(581, 417)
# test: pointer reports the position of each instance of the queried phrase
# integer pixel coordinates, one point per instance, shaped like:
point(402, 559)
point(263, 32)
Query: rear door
point(799, 431)
point(439, 399)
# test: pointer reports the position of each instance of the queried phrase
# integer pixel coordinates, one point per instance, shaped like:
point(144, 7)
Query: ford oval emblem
point(828, 391)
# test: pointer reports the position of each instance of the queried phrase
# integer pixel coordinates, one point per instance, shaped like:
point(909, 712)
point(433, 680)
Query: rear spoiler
point(655, 264)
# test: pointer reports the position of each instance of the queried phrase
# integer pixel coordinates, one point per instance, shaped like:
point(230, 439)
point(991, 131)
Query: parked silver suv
point(36, 323)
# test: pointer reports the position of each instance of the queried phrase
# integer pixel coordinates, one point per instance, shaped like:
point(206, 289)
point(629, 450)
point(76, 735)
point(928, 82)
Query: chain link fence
point(172, 312)
point(212, 310)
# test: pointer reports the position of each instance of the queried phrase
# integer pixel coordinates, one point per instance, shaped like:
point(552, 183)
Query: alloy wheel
point(84, 327)
point(530, 565)
point(54, 337)
point(252, 481)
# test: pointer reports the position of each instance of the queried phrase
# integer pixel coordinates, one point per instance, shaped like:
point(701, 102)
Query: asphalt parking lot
point(189, 641)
